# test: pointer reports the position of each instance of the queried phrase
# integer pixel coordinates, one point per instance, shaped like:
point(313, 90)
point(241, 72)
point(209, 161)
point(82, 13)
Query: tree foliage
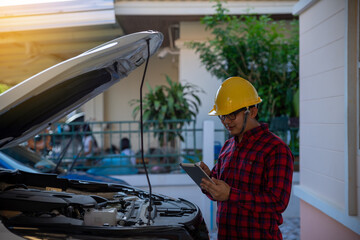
point(257, 48)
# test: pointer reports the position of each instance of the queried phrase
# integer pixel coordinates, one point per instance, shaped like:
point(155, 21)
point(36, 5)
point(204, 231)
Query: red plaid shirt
point(259, 171)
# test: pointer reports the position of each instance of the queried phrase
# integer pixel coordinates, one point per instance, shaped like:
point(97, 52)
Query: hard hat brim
point(213, 112)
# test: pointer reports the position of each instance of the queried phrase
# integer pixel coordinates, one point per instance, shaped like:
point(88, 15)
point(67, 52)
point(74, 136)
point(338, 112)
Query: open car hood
point(46, 97)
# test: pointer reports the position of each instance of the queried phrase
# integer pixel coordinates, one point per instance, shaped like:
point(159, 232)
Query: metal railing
point(163, 148)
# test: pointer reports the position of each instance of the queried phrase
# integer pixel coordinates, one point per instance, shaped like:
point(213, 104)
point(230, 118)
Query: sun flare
point(4, 3)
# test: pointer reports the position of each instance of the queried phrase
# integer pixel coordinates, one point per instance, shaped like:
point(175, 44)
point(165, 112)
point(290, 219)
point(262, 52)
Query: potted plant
point(168, 108)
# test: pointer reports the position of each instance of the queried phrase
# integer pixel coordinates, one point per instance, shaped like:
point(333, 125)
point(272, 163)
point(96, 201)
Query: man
point(253, 174)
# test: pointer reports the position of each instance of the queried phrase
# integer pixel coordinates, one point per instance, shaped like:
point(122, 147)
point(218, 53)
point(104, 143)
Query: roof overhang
point(164, 16)
point(201, 7)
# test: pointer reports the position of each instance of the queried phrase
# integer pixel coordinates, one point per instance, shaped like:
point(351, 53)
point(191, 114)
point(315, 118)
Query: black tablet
point(195, 172)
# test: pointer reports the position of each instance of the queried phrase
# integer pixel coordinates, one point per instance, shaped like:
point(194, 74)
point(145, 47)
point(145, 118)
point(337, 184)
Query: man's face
point(234, 122)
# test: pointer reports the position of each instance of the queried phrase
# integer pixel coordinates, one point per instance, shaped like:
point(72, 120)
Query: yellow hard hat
point(233, 94)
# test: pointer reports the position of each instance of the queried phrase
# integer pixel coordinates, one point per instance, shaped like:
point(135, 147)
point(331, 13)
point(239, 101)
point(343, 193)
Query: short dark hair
point(125, 143)
point(257, 115)
point(86, 128)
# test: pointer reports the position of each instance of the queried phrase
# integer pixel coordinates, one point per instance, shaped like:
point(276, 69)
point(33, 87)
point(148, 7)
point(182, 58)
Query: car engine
point(47, 205)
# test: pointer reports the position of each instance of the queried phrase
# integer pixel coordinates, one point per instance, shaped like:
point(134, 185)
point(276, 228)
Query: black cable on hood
point(142, 132)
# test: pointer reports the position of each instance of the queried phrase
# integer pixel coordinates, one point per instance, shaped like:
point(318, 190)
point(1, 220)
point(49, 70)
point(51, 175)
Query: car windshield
point(30, 158)
point(8, 162)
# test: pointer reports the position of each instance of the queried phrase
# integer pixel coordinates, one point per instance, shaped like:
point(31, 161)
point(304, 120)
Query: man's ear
point(253, 112)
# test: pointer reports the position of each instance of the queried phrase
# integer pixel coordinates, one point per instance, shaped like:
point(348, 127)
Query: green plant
point(169, 107)
point(3, 87)
point(261, 50)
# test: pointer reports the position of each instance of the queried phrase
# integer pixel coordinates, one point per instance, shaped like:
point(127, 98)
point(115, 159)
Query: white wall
point(323, 114)
point(322, 100)
point(191, 70)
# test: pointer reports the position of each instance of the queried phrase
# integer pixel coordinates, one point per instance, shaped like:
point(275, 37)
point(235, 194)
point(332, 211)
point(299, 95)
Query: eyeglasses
point(231, 116)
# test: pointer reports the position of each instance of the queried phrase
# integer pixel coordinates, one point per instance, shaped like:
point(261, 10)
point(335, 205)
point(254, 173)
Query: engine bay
point(43, 201)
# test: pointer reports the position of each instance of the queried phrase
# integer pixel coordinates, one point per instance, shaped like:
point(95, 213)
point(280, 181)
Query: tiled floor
point(290, 229)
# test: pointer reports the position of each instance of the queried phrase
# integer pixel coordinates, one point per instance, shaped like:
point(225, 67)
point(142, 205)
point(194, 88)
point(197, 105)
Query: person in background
point(89, 145)
point(125, 150)
point(41, 144)
point(253, 174)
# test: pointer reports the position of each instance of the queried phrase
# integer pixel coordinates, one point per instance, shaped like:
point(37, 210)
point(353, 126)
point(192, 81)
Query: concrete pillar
point(208, 159)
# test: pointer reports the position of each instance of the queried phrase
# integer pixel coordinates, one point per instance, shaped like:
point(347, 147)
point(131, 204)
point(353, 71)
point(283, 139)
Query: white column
point(208, 159)
point(94, 109)
point(208, 143)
